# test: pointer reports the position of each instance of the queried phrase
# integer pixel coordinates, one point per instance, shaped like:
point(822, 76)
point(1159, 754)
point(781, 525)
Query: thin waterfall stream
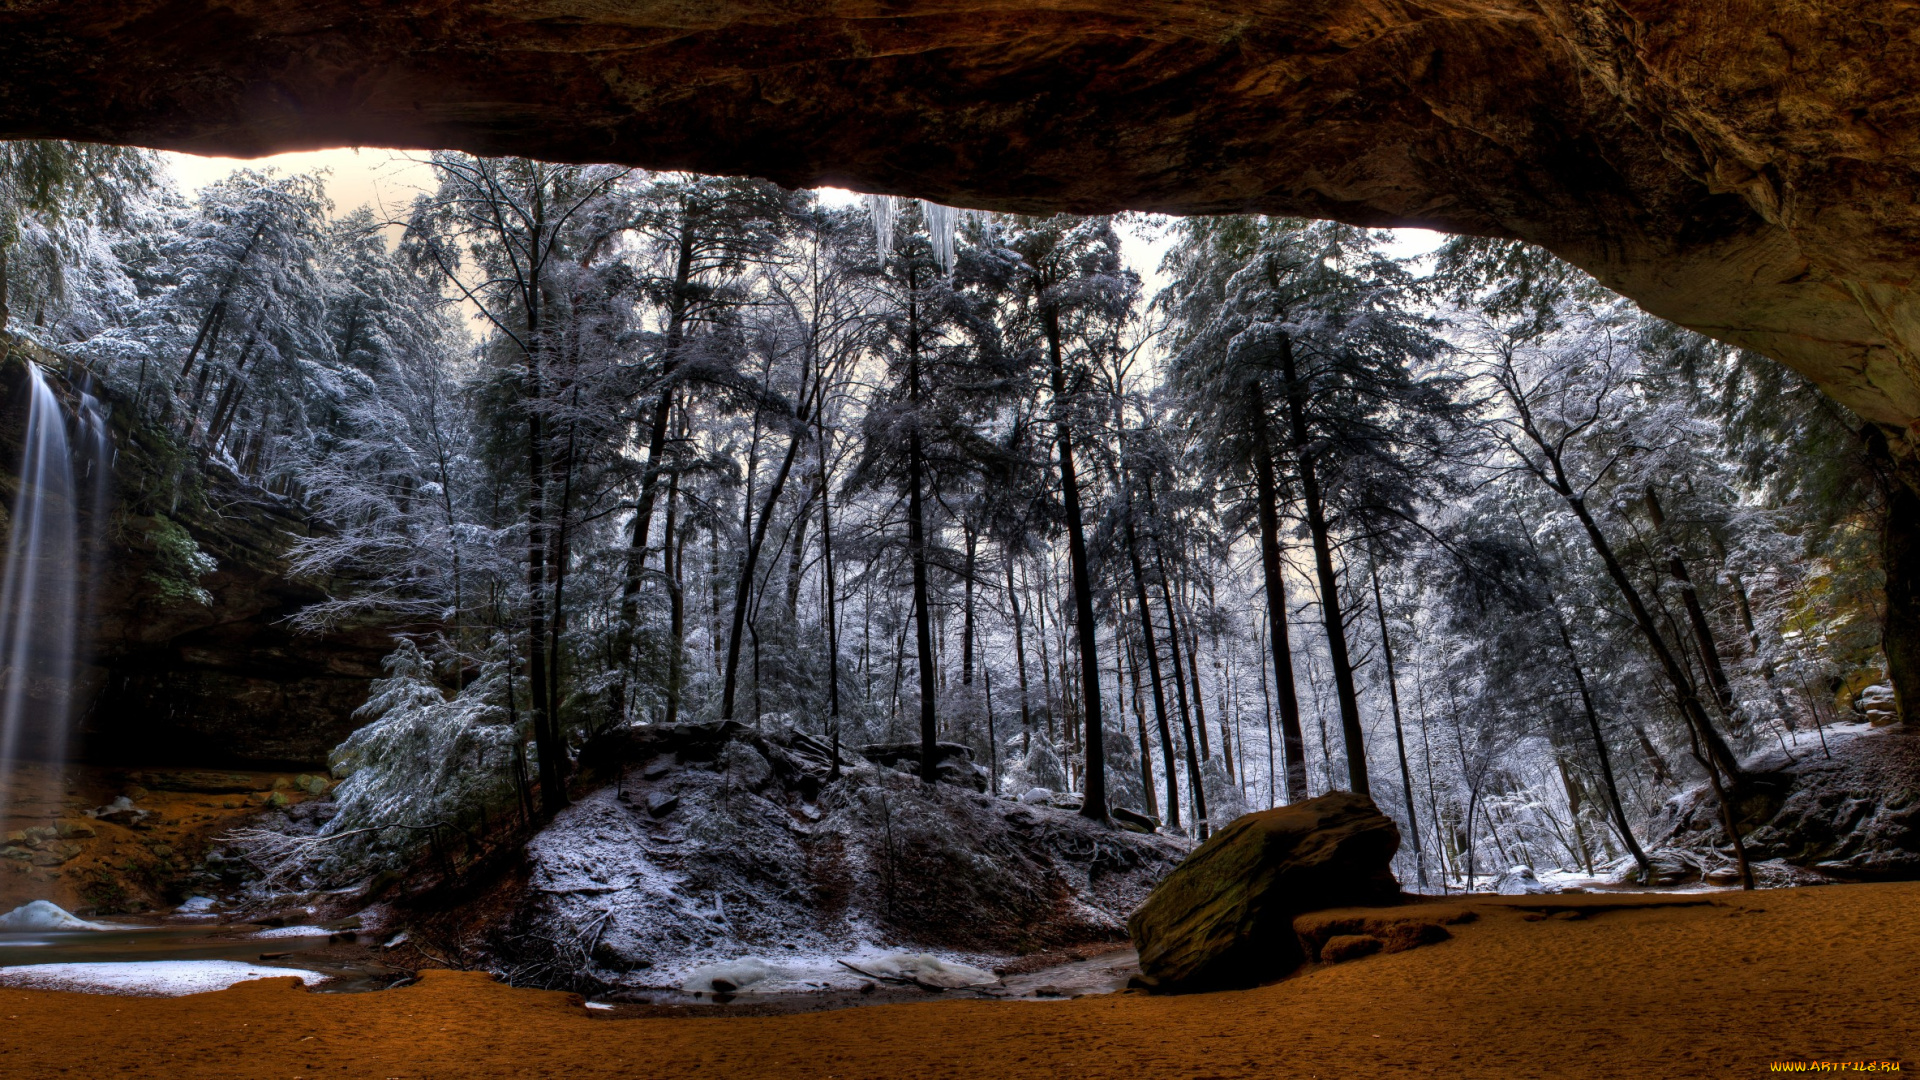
point(40, 586)
point(55, 531)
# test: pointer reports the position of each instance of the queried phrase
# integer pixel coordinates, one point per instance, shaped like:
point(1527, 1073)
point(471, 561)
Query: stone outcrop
point(1744, 168)
point(184, 666)
point(1850, 812)
point(693, 844)
point(1225, 918)
point(953, 762)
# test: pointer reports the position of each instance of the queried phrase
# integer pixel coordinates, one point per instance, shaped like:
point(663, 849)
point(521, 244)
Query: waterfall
point(40, 581)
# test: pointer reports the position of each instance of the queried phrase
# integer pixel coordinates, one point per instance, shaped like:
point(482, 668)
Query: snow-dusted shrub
point(1038, 766)
point(179, 564)
point(424, 763)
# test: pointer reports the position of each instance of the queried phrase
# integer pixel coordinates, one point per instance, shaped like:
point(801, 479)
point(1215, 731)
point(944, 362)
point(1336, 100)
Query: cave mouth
point(591, 575)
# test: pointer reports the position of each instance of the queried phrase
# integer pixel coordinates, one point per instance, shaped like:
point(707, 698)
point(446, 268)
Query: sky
point(387, 181)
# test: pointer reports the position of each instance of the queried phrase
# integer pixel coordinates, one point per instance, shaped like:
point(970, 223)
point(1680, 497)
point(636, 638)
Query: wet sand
point(1710, 989)
point(122, 866)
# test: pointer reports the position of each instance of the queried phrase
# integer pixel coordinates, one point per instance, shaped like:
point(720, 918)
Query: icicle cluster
point(943, 225)
point(882, 207)
point(941, 221)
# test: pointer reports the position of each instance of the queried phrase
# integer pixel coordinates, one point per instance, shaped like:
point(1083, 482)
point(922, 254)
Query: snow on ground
point(291, 931)
point(42, 915)
point(146, 978)
point(1801, 743)
point(802, 972)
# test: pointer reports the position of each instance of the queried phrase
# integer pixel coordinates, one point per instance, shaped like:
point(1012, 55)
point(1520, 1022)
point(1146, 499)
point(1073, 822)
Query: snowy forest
point(1466, 531)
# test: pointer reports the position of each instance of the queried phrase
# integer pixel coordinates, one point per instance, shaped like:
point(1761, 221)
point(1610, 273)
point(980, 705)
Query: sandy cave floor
point(1682, 986)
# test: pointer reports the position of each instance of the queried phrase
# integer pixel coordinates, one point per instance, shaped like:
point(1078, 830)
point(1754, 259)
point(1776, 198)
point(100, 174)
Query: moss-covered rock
point(1224, 918)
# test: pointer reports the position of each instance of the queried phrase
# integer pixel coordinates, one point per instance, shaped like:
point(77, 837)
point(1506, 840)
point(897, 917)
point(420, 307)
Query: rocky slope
point(698, 844)
point(1848, 812)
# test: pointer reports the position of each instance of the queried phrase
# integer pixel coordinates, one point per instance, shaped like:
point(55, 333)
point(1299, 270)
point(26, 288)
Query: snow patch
point(43, 915)
point(150, 978)
point(1518, 881)
point(292, 931)
point(929, 970)
point(725, 978)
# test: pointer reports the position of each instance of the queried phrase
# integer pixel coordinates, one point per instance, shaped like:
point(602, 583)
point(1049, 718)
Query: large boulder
point(1224, 918)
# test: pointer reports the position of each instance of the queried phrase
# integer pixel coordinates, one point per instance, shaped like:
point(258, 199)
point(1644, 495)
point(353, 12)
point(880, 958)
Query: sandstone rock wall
point(1741, 167)
point(184, 667)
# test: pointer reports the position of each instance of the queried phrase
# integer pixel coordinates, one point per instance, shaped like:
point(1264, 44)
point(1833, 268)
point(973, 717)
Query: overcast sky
point(387, 181)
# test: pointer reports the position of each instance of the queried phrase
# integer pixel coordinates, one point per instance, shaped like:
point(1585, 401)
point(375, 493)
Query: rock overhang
point(1741, 168)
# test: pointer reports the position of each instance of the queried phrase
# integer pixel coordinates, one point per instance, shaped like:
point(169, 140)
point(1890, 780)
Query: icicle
point(944, 223)
point(940, 225)
point(883, 208)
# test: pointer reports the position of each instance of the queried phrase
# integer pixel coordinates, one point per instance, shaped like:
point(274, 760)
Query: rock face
point(1224, 919)
point(187, 666)
point(1741, 167)
point(953, 762)
point(704, 843)
point(1852, 816)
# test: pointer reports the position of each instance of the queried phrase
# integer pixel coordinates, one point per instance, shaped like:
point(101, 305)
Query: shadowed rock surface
point(1741, 168)
point(1224, 918)
point(1849, 817)
point(192, 667)
point(699, 843)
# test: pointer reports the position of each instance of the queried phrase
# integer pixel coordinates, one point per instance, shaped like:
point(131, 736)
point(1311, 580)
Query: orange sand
point(1716, 989)
point(118, 868)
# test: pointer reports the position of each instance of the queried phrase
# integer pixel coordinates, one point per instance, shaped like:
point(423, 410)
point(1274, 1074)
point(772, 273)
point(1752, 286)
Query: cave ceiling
point(1744, 168)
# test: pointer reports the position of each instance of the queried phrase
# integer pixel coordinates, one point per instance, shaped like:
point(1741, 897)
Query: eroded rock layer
point(1744, 168)
point(188, 653)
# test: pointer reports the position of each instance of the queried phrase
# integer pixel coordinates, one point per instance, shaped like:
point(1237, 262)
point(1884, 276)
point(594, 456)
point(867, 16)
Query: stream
point(136, 954)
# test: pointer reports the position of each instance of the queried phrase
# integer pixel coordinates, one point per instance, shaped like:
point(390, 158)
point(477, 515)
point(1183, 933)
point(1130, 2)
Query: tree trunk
point(1198, 793)
point(217, 312)
point(1266, 490)
point(966, 608)
point(917, 551)
point(1020, 657)
point(673, 547)
point(1399, 732)
point(1696, 616)
point(743, 593)
point(1152, 650)
point(1600, 748)
point(546, 735)
point(1140, 722)
point(1094, 802)
point(1193, 673)
point(677, 305)
point(797, 554)
point(1331, 615)
point(827, 591)
point(1717, 758)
